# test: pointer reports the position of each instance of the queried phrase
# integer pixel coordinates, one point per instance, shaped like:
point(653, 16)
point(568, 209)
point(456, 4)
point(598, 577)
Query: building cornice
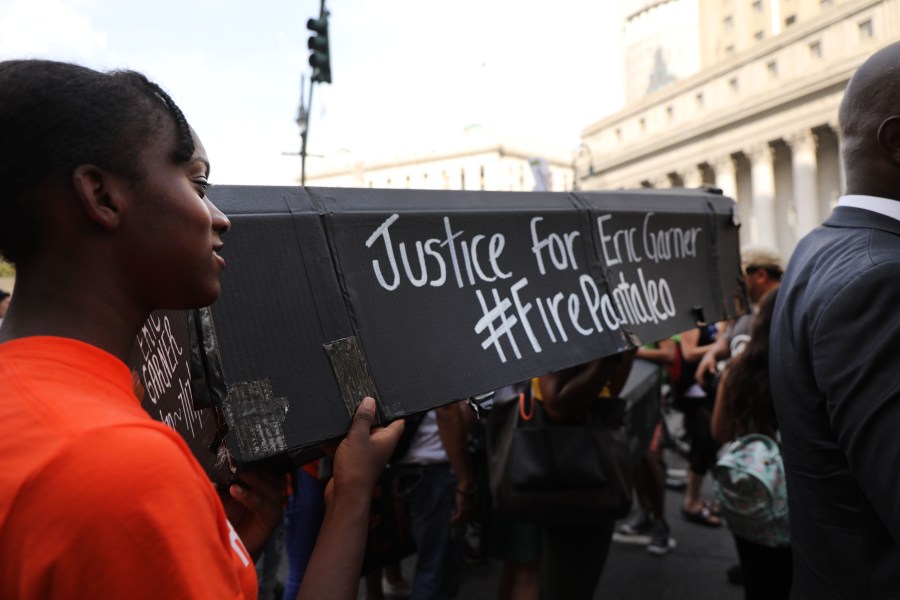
point(646, 8)
point(502, 150)
point(724, 68)
point(752, 109)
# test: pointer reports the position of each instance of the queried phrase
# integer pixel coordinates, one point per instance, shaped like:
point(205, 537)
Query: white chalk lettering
point(553, 304)
point(592, 298)
point(560, 249)
point(506, 323)
point(452, 246)
point(574, 310)
point(440, 261)
point(540, 306)
point(468, 269)
point(613, 255)
point(629, 302)
point(416, 281)
point(495, 248)
point(383, 232)
point(161, 353)
point(522, 309)
point(609, 313)
point(671, 243)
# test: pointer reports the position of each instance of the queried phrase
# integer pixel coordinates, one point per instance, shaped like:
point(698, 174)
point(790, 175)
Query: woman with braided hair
point(744, 405)
point(103, 210)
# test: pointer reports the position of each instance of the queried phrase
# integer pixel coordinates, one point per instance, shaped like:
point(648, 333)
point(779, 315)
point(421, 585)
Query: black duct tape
point(352, 374)
point(256, 419)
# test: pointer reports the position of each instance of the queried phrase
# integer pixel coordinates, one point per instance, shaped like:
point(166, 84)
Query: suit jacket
point(835, 372)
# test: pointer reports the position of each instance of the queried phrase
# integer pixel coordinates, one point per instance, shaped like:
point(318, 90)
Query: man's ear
point(99, 193)
point(889, 138)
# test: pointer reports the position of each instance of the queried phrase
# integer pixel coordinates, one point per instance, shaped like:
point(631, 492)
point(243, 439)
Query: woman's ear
point(99, 194)
point(889, 138)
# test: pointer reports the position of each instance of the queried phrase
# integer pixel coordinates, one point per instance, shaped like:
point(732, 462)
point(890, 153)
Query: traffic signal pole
point(320, 61)
point(304, 133)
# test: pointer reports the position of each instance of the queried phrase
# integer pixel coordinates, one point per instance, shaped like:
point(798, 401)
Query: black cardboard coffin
point(424, 297)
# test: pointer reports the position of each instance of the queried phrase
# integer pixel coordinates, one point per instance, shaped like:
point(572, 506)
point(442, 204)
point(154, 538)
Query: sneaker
point(660, 540)
point(637, 524)
point(399, 589)
point(472, 553)
point(676, 484)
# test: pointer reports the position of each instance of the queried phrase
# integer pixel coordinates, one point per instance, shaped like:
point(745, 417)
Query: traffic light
point(319, 58)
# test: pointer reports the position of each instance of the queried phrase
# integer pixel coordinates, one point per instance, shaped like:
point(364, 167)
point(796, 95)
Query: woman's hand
point(360, 458)
point(255, 507)
point(333, 569)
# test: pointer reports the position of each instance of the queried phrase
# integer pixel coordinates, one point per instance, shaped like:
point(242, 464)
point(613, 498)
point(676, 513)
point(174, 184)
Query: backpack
point(751, 488)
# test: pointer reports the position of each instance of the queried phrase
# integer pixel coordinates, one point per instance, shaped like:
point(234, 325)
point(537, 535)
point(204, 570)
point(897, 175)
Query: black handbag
point(556, 474)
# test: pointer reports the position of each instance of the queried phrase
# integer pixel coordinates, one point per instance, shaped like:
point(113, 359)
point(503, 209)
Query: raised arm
point(453, 431)
point(712, 354)
point(334, 568)
point(568, 393)
point(663, 354)
point(722, 425)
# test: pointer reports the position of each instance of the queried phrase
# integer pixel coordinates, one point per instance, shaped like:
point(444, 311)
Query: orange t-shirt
point(96, 499)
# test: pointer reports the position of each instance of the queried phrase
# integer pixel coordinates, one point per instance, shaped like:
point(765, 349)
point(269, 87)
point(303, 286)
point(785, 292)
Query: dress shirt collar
point(882, 206)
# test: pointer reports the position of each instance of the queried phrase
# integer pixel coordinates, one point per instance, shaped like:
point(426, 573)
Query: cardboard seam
point(626, 335)
point(295, 222)
point(383, 415)
point(208, 387)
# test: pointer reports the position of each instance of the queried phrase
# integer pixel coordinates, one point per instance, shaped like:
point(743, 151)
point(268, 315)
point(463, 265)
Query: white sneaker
point(398, 590)
point(660, 540)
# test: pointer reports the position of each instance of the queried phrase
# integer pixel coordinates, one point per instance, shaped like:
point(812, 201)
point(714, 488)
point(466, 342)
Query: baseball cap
point(761, 256)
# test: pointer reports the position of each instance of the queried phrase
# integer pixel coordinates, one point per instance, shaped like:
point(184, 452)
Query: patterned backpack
point(750, 486)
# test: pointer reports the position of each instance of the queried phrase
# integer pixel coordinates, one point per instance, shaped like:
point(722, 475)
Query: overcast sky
point(409, 75)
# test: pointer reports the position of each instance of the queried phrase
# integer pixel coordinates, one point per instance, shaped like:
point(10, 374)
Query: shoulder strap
point(409, 432)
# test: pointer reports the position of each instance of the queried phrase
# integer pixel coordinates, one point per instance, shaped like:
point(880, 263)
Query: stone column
point(842, 173)
point(726, 176)
point(662, 182)
point(692, 177)
point(803, 165)
point(762, 176)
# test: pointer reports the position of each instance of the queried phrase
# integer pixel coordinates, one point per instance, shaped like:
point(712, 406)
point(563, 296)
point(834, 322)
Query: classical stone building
point(758, 119)
point(477, 162)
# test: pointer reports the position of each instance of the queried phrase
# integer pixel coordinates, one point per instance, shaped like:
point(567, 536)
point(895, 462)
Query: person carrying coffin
point(103, 210)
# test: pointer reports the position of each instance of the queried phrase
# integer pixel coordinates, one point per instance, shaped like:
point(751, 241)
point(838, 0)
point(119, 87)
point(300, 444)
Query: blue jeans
point(302, 518)
point(430, 493)
point(268, 563)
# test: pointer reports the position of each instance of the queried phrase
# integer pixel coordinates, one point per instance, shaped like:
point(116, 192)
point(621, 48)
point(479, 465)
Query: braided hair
point(56, 116)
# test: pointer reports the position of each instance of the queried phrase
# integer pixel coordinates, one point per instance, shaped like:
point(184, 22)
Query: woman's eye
point(202, 186)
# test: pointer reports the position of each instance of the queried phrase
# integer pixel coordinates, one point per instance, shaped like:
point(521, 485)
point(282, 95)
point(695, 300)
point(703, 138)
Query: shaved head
point(870, 124)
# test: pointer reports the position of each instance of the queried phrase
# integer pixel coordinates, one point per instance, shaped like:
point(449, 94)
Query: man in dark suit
point(835, 361)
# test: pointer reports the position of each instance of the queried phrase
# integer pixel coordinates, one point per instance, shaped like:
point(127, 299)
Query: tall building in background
point(662, 44)
point(757, 118)
point(476, 162)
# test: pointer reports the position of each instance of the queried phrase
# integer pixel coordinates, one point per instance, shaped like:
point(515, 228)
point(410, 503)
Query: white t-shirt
point(426, 447)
